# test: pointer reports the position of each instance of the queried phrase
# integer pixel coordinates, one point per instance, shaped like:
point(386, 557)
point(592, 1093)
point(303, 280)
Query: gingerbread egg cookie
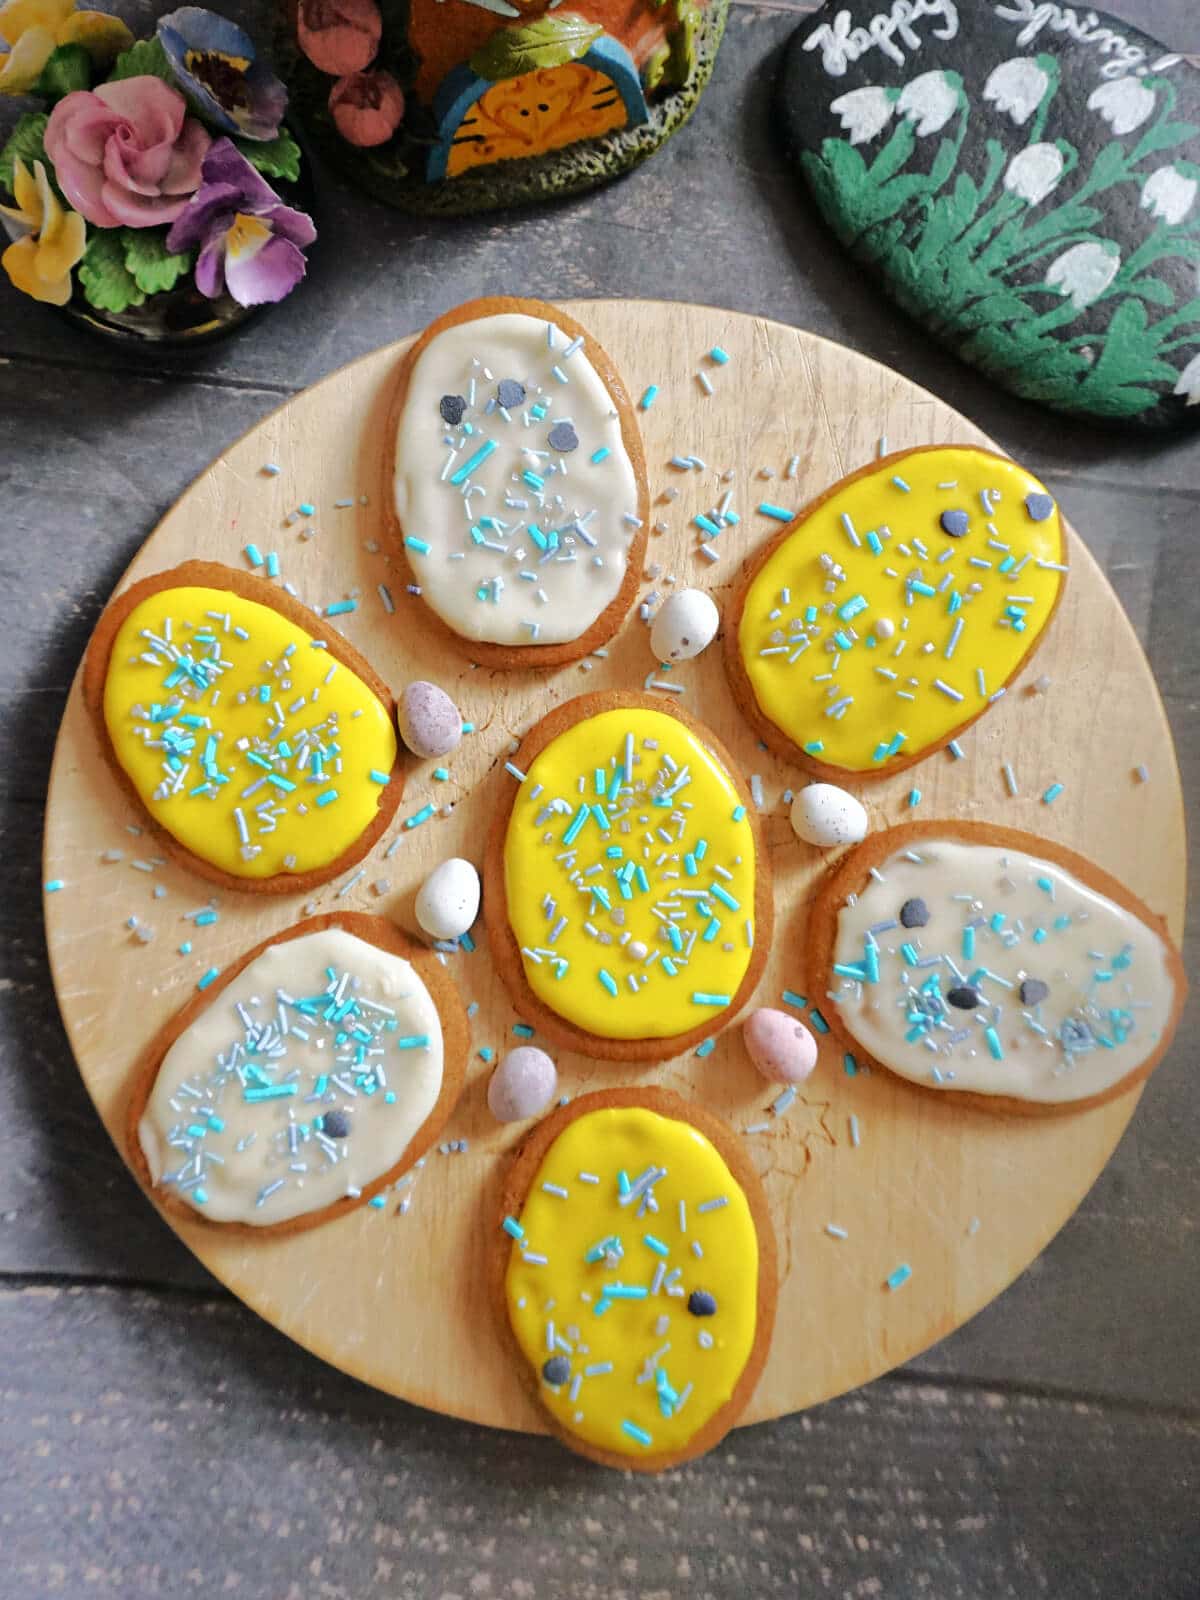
point(635, 1276)
point(261, 746)
point(309, 1077)
point(519, 482)
point(895, 610)
point(994, 966)
point(627, 894)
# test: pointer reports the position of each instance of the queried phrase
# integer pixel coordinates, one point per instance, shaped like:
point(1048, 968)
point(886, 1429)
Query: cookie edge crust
point(516, 1185)
point(739, 679)
point(608, 623)
point(506, 951)
point(452, 1014)
point(212, 575)
point(850, 876)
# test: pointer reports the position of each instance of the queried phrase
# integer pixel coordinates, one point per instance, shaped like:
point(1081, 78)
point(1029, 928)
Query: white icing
point(1037, 1064)
point(567, 587)
point(197, 1113)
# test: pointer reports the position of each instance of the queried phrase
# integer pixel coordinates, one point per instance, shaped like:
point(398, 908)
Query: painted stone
point(503, 104)
point(1023, 178)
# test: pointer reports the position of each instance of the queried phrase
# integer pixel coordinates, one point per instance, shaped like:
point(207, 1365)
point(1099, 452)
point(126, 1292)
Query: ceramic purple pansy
point(250, 242)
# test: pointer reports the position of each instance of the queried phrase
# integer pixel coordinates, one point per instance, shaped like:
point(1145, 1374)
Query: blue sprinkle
point(340, 607)
point(54, 885)
point(253, 555)
point(209, 977)
point(900, 1276)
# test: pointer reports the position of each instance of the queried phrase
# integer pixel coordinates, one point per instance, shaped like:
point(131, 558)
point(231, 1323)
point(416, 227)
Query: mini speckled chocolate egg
point(686, 624)
point(448, 900)
point(779, 1045)
point(429, 721)
point(522, 1085)
point(824, 815)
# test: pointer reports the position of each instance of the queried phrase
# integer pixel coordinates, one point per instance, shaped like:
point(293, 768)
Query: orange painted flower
point(34, 29)
point(339, 36)
point(52, 238)
point(367, 107)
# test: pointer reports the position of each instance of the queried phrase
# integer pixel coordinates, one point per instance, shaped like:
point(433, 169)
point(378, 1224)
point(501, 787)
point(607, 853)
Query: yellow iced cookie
point(259, 751)
point(895, 610)
point(637, 1286)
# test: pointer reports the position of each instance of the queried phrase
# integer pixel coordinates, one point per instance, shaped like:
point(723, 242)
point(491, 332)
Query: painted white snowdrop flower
point(1168, 195)
point(1124, 103)
point(1085, 271)
point(1033, 172)
point(1189, 382)
point(864, 113)
point(929, 101)
point(1018, 87)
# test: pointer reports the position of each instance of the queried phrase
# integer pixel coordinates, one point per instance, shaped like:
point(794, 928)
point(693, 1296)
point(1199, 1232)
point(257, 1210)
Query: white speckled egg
point(685, 625)
point(522, 1085)
point(429, 721)
point(448, 900)
point(824, 815)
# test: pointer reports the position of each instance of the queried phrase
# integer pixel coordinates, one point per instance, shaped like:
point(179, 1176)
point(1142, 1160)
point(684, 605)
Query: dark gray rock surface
point(1022, 179)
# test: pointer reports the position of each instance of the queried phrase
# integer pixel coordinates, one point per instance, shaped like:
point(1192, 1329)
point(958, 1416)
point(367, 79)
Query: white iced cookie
point(304, 1081)
point(517, 499)
point(979, 967)
point(824, 815)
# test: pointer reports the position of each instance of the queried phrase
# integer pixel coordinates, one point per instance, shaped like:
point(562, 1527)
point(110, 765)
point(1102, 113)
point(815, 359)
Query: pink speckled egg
point(781, 1047)
point(522, 1085)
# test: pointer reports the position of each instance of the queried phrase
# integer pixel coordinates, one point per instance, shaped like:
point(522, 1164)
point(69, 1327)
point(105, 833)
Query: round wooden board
point(399, 1300)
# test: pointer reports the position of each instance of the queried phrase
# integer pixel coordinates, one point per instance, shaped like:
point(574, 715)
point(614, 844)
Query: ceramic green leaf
point(550, 41)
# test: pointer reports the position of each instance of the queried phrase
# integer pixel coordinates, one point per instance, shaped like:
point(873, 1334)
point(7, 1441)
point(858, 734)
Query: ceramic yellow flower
point(40, 262)
point(34, 29)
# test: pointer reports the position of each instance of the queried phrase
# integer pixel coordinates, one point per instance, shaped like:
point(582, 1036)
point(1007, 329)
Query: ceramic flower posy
point(150, 162)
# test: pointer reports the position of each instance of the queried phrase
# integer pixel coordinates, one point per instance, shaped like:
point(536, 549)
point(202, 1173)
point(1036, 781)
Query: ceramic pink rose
point(126, 153)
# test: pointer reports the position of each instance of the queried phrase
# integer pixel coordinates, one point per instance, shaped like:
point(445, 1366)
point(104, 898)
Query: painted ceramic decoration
point(466, 105)
point(1023, 178)
point(140, 199)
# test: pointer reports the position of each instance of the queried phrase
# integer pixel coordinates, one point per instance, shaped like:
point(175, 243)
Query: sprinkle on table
point(54, 885)
point(1052, 793)
point(900, 1276)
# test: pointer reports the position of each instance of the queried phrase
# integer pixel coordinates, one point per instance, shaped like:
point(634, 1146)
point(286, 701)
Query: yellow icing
point(799, 686)
point(605, 1143)
point(340, 717)
point(544, 857)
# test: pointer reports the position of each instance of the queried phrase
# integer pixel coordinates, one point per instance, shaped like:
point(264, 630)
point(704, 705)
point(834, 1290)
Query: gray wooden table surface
point(157, 1439)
